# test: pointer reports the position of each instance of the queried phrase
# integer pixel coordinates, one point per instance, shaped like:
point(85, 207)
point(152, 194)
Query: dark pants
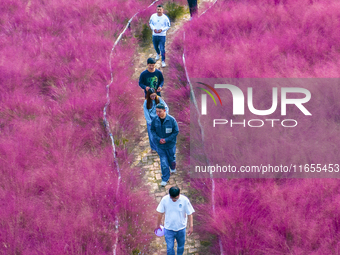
point(193, 7)
point(159, 45)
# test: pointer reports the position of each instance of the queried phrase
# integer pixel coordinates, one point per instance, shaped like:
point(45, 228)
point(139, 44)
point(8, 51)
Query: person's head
point(160, 10)
point(174, 193)
point(150, 96)
point(151, 62)
point(160, 110)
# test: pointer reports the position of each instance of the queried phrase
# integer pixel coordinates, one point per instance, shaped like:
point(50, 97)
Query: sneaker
point(163, 183)
point(158, 56)
point(163, 64)
point(173, 171)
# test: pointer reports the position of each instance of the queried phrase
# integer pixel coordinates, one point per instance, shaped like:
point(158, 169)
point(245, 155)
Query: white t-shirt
point(176, 213)
point(159, 22)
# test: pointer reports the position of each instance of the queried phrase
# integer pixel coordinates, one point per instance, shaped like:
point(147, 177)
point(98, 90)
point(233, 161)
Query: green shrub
point(173, 10)
point(144, 35)
point(136, 252)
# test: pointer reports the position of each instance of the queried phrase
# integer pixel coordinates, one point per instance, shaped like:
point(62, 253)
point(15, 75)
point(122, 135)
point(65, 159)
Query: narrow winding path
point(150, 161)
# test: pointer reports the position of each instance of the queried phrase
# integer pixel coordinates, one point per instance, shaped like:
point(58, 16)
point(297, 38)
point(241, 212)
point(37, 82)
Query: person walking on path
point(192, 7)
point(159, 24)
point(177, 209)
point(164, 131)
point(151, 78)
point(150, 112)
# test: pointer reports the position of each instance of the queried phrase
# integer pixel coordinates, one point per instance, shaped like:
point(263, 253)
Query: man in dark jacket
point(164, 129)
point(192, 7)
point(151, 78)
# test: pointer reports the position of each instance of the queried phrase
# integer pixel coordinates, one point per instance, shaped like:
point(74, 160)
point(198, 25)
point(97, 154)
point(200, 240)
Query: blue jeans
point(159, 45)
point(170, 237)
point(168, 160)
point(152, 144)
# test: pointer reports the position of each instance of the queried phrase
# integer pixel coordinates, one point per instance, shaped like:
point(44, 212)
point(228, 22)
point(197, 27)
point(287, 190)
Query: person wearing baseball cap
point(152, 99)
point(151, 78)
point(164, 130)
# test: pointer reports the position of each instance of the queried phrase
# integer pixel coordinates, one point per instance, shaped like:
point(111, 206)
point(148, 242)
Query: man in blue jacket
point(164, 129)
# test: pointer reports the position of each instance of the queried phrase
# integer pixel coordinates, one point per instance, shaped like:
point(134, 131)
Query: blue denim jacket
point(150, 114)
point(168, 131)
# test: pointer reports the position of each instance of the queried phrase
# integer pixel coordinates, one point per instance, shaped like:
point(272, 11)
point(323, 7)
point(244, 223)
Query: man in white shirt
point(177, 209)
point(159, 24)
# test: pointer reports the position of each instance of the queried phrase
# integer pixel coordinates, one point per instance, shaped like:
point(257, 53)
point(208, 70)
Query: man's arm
point(161, 79)
point(160, 212)
point(191, 224)
point(160, 82)
point(153, 131)
point(174, 133)
point(159, 219)
point(141, 80)
point(151, 23)
point(167, 25)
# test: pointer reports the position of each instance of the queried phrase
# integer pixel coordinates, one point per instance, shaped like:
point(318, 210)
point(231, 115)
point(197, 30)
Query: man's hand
point(160, 31)
point(159, 89)
point(156, 31)
point(147, 88)
point(190, 231)
point(162, 141)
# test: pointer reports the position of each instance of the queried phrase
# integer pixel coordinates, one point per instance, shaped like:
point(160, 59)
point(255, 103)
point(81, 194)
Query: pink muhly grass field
point(58, 180)
point(266, 39)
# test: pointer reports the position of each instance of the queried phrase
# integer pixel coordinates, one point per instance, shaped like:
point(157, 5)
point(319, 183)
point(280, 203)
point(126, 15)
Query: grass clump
point(173, 10)
point(144, 35)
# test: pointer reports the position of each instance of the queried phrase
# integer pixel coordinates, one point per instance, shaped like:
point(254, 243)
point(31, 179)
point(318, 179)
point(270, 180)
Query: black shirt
point(152, 80)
